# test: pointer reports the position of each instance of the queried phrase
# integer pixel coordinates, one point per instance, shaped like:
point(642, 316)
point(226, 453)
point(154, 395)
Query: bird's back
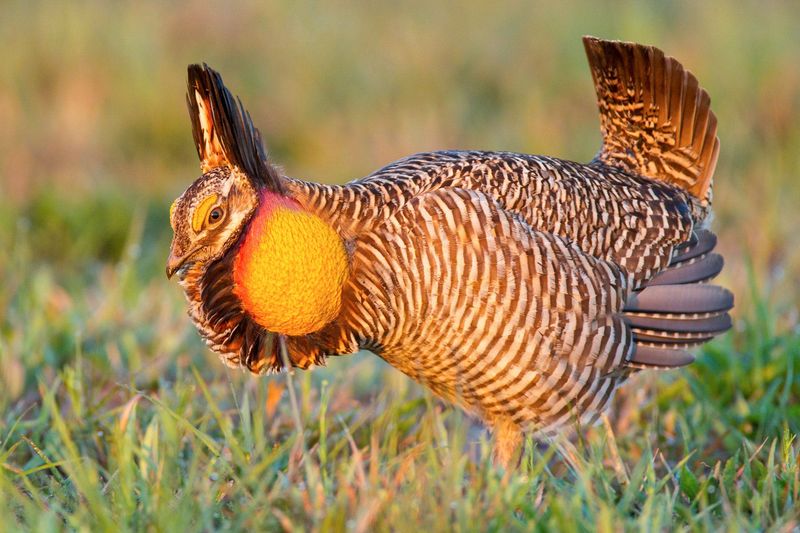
point(500, 280)
point(609, 213)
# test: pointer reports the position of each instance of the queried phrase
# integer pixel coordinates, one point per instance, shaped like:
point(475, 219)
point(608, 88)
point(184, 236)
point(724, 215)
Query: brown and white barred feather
point(633, 221)
point(641, 225)
point(508, 322)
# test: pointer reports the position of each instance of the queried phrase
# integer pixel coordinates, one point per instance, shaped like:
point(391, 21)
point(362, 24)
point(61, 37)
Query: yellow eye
point(201, 212)
point(172, 209)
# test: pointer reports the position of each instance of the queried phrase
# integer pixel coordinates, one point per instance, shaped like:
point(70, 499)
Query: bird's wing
point(467, 298)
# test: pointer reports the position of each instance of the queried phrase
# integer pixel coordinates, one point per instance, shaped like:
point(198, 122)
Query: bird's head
point(288, 266)
point(208, 218)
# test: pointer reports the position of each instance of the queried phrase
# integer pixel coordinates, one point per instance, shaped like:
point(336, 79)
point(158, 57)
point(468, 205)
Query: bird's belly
point(536, 393)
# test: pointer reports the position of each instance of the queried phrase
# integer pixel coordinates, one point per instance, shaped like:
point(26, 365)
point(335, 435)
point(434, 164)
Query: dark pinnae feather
point(690, 271)
point(194, 116)
point(240, 140)
point(654, 356)
point(680, 299)
point(701, 242)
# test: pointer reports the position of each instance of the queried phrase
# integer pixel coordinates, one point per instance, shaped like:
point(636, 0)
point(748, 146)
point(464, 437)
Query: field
point(113, 414)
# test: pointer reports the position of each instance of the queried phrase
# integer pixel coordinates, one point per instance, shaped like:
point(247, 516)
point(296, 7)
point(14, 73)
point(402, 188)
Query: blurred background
point(114, 414)
point(95, 141)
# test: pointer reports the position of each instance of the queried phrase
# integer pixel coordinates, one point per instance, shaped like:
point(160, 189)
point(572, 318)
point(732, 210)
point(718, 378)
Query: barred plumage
point(465, 298)
point(608, 213)
point(523, 288)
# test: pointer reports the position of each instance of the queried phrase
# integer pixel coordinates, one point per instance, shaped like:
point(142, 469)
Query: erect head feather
point(223, 131)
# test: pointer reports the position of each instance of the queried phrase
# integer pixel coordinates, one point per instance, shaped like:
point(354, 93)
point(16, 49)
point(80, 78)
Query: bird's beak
point(176, 259)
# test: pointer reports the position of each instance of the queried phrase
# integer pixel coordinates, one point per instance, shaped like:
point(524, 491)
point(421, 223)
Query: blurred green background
point(95, 142)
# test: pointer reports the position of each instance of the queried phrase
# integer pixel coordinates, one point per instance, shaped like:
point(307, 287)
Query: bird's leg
point(507, 440)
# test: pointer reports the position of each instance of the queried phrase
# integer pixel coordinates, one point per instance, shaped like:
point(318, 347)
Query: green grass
point(120, 417)
point(113, 415)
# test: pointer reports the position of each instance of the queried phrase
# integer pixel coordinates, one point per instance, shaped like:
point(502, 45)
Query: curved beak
point(173, 264)
point(177, 257)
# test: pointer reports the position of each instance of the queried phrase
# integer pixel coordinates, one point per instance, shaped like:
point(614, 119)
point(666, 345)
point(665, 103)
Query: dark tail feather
point(674, 311)
point(693, 324)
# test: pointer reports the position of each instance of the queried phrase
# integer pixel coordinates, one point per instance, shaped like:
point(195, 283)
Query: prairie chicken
point(524, 289)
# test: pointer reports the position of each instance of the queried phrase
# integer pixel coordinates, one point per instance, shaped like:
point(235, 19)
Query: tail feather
point(673, 338)
point(645, 356)
point(718, 322)
point(655, 118)
point(657, 122)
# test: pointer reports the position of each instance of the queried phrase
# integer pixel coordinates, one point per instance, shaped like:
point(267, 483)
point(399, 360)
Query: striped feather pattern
point(630, 220)
point(655, 118)
point(506, 321)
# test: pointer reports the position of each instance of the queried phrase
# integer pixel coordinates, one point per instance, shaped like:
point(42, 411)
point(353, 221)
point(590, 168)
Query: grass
point(122, 419)
point(113, 415)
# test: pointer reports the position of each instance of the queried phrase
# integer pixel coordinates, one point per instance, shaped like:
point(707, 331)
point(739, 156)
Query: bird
point(523, 289)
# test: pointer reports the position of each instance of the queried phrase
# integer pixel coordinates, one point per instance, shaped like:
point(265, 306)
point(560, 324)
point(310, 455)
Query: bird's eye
point(215, 215)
